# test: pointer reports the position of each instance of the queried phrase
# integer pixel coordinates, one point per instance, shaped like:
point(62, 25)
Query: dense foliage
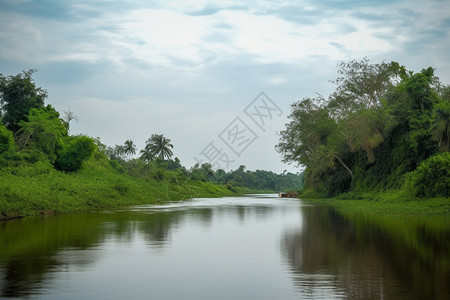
point(74, 152)
point(377, 130)
point(172, 170)
point(18, 94)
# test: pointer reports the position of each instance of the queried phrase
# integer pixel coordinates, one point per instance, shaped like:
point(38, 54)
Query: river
point(253, 247)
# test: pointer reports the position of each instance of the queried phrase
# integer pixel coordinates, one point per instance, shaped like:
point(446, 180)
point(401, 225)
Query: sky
point(216, 77)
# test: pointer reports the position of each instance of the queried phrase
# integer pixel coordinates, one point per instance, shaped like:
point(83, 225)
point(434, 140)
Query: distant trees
point(381, 122)
point(157, 146)
point(259, 179)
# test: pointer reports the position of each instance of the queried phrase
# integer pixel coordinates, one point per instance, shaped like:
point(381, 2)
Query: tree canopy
point(381, 122)
point(19, 94)
point(159, 146)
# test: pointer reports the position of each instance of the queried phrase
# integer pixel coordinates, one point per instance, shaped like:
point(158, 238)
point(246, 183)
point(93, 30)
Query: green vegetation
point(44, 170)
point(385, 204)
point(383, 133)
point(38, 188)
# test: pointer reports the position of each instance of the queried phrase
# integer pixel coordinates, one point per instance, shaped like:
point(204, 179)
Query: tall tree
point(146, 154)
point(129, 148)
point(68, 117)
point(362, 86)
point(312, 139)
point(397, 118)
point(159, 146)
point(19, 94)
point(440, 126)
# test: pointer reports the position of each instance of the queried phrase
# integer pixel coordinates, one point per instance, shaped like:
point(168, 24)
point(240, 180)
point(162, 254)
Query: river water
point(253, 247)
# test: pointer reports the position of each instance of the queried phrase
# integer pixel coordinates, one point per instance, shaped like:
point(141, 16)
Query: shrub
point(6, 139)
point(116, 166)
point(122, 188)
point(74, 152)
point(432, 177)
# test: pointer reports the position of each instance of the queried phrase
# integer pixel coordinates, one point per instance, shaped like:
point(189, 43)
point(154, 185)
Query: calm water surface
point(255, 247)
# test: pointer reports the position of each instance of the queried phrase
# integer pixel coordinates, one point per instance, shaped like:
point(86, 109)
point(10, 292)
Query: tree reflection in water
point(370, 257)
point(34, 247)
point(328, 255)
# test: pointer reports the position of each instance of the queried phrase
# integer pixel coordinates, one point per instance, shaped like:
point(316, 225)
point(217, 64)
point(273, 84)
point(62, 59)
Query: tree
point(75, 151)
point(312, 138)
point(440, 126)
point(146, 154)
point(412, 105)
point(116, 152)
point(159, 146)
point(207, 171)
point(326, 135)
point(19, 94)
point(69, 116)
point(365, 130)
point(129, 148)
point(380, 123)
point(43, 131)
point(362, 85)
point(6, 140)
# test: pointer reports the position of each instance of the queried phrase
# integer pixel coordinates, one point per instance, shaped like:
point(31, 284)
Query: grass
point(47, 191)
point(386, 203)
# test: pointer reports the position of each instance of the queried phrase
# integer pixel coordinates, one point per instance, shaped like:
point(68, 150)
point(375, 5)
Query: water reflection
point(225, 248)
point(35, 247)
point(362, 257)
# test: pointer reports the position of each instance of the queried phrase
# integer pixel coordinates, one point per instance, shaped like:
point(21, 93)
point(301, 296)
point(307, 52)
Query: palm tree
point(159, 146)
point(440, 126)
point(129, 148)
point(146, 154)
point(117, 152)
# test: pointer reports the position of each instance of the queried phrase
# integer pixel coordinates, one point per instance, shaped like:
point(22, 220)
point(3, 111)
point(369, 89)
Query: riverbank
point(51, 192)
point(385, 205)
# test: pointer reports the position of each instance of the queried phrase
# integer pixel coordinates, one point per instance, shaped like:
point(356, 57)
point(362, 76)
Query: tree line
point(383, 127)
point(155, 160)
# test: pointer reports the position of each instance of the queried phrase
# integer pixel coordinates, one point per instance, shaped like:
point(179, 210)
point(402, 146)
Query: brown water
point(256, 247)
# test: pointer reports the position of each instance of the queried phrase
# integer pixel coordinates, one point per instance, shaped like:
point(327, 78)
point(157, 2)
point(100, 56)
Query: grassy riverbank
point(386, 204)
point(38, 190)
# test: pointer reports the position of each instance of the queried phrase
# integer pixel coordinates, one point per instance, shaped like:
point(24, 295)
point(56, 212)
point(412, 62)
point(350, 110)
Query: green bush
point(116, 166)
point(432, 177)
point(74, 152)
point(30, 170)
point(6, 139)
point(43, 131)
point(122, 188)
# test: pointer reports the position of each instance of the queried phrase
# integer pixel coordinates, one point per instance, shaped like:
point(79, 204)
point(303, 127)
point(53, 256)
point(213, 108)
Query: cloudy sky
point(194, 70)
